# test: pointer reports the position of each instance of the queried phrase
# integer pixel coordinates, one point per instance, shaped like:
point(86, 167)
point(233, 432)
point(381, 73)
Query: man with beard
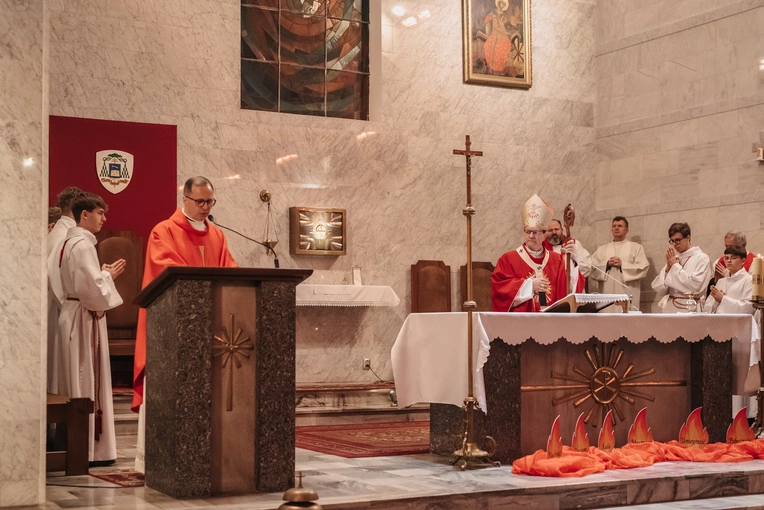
point(580, 264)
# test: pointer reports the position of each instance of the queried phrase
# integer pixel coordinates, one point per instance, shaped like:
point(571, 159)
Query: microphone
point(275, 257)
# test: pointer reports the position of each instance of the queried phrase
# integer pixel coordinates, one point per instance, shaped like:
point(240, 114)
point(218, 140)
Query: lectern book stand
point(220, 380)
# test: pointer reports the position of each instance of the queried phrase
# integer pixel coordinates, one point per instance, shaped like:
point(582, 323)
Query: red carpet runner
point(366, 439)
point(121, 477)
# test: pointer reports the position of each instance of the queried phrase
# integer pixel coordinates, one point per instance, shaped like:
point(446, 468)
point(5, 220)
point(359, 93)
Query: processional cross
point(469, 450)
point(230, 348)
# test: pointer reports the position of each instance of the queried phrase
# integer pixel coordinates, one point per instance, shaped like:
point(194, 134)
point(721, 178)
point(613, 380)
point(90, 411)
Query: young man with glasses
point(187, 238)
point(686, 274)
point(529, 277)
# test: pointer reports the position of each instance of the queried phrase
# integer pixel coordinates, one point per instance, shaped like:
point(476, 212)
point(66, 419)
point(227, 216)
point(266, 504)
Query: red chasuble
point(174, 242)
point(512, 270)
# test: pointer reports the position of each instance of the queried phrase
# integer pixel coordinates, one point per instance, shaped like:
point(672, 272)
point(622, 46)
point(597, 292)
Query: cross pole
point(469, 451)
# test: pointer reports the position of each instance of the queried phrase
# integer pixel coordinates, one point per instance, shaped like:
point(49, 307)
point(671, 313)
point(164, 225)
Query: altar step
point(346, 402)
point(316, 404)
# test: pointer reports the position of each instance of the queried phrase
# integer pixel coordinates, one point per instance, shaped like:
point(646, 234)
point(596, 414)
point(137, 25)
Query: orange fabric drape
point(577, 464)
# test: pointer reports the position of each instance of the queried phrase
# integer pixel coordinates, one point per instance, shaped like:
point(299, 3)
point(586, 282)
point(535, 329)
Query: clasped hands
point(115, 269)
point(671, 258)
point(540, 284)
point(717, 294)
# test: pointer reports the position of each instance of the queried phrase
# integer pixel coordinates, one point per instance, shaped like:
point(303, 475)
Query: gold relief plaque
point(317, 231)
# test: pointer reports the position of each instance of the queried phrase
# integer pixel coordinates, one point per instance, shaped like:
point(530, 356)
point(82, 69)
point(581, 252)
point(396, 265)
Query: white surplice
point(634, 267)
point(581, 261)
point(87, 289)
point(690, 276)
point(737, 295)
point(54, 241)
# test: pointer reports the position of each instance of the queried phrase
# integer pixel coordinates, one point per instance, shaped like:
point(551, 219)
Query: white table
point(346, 295)
point(430, 360)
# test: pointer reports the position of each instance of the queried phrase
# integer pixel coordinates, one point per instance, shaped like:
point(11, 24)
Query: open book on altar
point(588, 303)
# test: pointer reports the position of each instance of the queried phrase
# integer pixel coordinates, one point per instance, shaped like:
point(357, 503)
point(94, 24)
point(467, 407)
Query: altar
point(529, 368)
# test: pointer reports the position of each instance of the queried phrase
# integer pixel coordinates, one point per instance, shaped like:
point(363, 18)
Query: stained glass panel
point(266, 4)
point(346, 50)
point(305, 7)
point(347, 95)
point(259, 85)
point(302, 40)
point(353, 10)
point(259, 34)
point(302, 90)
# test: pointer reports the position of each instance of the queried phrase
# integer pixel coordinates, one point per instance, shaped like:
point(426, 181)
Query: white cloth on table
point(87, 289)
point(430, 360)
point(345, 295)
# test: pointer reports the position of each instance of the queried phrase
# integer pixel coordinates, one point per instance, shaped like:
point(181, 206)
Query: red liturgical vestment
point(513, 269)
point(174, 242)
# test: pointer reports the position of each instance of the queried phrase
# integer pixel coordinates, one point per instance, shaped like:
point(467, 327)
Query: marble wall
point(680, 108)
point(22, 333)
point(178, 63)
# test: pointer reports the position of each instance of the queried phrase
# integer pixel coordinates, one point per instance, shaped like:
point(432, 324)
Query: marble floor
point(391, 482)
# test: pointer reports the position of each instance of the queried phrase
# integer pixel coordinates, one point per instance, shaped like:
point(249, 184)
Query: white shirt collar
point(197, 225)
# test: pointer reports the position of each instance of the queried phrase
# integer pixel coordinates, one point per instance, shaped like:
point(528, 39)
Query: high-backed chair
point(122, 320)
point(430, 287)
point(481, 285)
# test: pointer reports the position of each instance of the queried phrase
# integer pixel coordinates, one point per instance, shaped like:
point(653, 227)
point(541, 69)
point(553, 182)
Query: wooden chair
point(72, 416)
point(430, 287)
point(481, 285)
point(122, 321)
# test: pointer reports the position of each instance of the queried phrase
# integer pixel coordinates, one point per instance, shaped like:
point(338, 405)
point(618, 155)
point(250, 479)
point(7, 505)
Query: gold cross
point(468, 154)
point(230, 349)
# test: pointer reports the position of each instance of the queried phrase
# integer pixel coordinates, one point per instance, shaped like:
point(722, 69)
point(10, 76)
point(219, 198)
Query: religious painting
point(317, 231)
point(497, 42)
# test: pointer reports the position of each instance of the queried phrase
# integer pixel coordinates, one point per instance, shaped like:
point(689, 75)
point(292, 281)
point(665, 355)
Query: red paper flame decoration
point(739, 431)
point(693, 432)
point(639, 432)
point(554, 443)
point(580, 441)
point(606, 441)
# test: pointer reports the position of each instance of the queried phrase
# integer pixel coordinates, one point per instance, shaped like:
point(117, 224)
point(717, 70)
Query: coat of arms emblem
point(114, 169)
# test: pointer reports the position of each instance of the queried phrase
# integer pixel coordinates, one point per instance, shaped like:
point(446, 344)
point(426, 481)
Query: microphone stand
point(267, 247)
point(578, 261)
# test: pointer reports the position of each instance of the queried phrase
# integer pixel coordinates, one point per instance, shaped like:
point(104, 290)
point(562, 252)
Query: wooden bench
point(72, 417)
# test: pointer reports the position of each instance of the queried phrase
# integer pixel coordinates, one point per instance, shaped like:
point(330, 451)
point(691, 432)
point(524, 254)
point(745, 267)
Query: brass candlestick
point(469, 451)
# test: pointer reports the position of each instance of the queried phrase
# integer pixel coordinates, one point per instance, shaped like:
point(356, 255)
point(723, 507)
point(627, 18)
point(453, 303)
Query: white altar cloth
point(430, 360)
point(345, 295)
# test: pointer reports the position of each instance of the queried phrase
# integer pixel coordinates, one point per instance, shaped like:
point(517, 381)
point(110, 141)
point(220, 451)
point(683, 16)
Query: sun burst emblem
point(231, 347)
point(603, 387)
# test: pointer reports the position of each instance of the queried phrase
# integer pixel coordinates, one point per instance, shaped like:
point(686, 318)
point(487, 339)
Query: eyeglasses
point(676, 240)
point(201, 202)
point(534, 232)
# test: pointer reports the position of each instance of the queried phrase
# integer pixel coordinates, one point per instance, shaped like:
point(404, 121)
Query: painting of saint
point(497, 42)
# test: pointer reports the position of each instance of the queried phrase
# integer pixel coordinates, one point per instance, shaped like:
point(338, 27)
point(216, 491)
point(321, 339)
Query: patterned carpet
point(121, 477)
point(366, 439)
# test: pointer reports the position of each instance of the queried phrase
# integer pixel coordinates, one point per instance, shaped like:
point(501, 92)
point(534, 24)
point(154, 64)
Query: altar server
point(88, 291)
point(522, 276)
point(580, 258)
point(54, 240)
point(732, 238)
point(623, 261)
point(686, 274)
point(187, 238)
point(732, 294)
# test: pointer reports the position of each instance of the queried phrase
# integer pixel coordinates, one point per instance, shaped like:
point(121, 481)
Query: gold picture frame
point(496, 42)
point(317, 231)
